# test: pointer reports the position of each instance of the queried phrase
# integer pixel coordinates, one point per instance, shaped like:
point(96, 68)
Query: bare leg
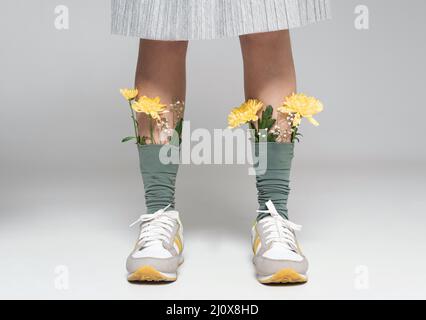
point(269, 73)
point(161, 71)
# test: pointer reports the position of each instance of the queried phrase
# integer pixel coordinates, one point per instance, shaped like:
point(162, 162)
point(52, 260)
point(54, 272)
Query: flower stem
point(294, 133)
point(135, 124)
point(255, 132)
point(151, 131)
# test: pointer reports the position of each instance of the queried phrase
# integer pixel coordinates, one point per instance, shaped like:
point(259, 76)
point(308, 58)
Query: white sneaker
point(158, 252)
point(277, 256)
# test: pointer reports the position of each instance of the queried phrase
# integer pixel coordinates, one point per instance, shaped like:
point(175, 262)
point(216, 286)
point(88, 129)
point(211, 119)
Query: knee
point(264, 40)
point(175, 48)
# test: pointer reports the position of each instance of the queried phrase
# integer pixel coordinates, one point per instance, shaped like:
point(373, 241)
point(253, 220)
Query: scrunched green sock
point(273, 181)
point(158, 179)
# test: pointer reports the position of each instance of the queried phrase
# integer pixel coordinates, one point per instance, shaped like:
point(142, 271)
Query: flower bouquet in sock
point(168, 119)
point(267, 128)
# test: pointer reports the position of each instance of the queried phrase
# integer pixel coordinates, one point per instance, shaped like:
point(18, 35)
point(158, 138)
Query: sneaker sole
point(284, 276)
point(150, 274)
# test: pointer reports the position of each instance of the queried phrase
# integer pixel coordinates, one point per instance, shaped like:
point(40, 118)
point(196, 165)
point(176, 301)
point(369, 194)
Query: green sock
point(273, 181)
point(158, 179)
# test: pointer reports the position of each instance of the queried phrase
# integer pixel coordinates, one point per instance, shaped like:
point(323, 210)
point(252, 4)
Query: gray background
point(69, 188)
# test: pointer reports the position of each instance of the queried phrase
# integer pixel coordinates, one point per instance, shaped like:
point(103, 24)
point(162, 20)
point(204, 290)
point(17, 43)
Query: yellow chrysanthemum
point(246, 112)
point(150, 106)
point(129, 94)
point(303, 107)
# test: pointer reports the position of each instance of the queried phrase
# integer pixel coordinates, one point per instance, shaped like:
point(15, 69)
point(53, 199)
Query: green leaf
point(128, 139)
point(268, 112)
point(176, 138)
point(179, 127)
point(266, 121)
point(272, 137)
point(270, 123)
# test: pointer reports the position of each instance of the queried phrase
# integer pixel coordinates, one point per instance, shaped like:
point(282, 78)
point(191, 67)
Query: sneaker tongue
point(266, 219)
point(172, 214)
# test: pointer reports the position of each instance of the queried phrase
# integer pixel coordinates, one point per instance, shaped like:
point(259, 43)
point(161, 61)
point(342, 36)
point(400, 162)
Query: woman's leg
point(160, 72)
point(270, 77)
point(269, 73)
point(158, 251)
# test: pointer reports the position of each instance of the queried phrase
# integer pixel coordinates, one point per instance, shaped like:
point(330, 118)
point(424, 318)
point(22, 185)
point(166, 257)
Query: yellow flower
point(129, 94)
point(244, 113)
point(151, 107)
point(303, 107)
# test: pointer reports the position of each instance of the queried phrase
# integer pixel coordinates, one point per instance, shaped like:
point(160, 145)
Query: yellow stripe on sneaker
point(179, 244)
point(256, 244)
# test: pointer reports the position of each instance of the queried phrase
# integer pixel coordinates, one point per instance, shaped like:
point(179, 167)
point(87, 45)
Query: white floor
point(364, 233)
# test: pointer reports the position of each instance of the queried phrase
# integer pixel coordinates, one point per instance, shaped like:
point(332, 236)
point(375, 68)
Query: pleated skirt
point(212, 19)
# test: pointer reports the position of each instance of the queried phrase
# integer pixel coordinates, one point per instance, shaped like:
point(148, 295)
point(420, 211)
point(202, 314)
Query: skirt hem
point(182, 20)
point(148, 37)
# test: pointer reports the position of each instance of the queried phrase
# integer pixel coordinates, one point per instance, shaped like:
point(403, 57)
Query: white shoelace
point(278, 229)
point(155, 228)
